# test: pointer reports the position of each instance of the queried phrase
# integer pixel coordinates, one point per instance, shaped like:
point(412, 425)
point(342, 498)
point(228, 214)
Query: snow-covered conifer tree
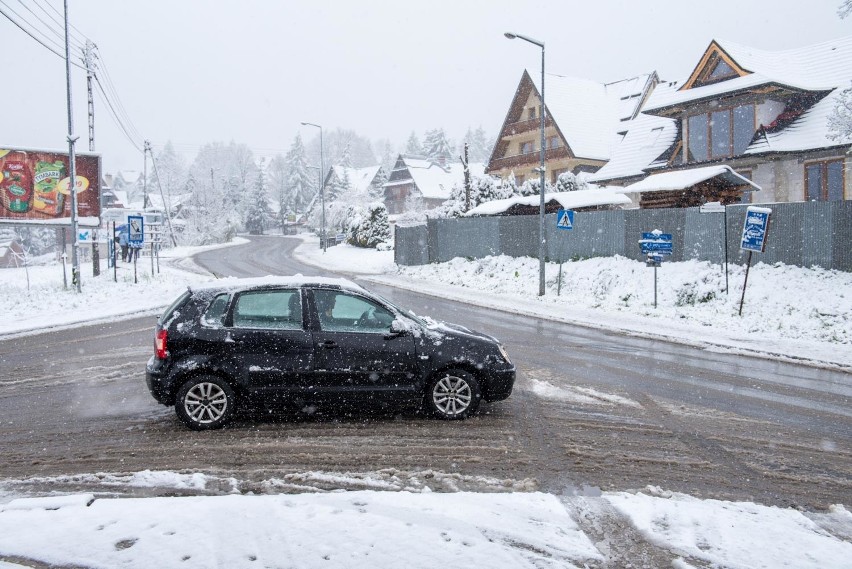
point(437, 147)
point(413, 146)
point(259, 214)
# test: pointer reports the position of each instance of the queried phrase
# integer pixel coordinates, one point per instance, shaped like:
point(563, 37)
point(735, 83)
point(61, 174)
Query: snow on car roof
point(233, 283)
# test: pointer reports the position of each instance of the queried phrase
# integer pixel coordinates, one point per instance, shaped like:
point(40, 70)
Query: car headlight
point(504, 353)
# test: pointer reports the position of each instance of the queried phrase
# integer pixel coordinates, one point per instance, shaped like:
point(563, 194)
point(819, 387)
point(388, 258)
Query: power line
point(60, 33)
point(26, 31)
point(115, 116)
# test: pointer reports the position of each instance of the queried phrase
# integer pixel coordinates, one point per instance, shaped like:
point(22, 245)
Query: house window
point(531, 113)
point(728, 131)
point(824, 181)
point(721, 71)
point(553, 142)
point(519, 180)
point(527, 147)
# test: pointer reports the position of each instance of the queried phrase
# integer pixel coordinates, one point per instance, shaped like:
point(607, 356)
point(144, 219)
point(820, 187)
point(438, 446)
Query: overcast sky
point(194, 72)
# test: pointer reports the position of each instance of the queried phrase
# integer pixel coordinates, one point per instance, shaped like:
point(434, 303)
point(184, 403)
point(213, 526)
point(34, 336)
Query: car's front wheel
point(453, 394)
point(205, 402)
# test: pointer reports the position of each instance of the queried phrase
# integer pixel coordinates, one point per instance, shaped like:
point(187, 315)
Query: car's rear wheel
point(453, 394)
point(205, 402)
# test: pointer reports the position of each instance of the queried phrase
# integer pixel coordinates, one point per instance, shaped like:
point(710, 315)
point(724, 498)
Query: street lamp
point(322, 184)
point(542, 244)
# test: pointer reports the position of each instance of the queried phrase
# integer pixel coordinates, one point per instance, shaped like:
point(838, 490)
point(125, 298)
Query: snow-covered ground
point(789, 311)
point(369, 529)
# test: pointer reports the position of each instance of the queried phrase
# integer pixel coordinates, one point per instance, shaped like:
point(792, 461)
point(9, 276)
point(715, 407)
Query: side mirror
point(397, 328)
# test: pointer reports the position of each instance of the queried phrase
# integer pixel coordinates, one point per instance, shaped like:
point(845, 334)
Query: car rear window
point(173, 308)
point(215, 313)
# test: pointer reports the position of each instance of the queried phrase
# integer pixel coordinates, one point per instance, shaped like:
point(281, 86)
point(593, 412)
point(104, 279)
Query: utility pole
point(145, 175)
point(162, 195)
point(465, 161)
point(88, 60)
point(72, 138)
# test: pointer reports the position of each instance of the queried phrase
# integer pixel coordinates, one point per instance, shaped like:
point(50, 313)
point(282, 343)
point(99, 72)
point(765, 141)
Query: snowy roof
point(121, 196)
point(641, 141)
point(128, 176)
point(174, 201)
point(568, 200)
point(359, 178)
point(821, 67)
point(434, 181)
point(588, 113)
point(233, 283)
point(682, 179)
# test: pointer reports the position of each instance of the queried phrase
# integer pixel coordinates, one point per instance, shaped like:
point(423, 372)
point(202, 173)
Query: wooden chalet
point(762, 114)
point(581, 118)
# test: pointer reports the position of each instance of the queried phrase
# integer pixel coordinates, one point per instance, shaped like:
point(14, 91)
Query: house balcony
point(529, 159)
point(530, 125)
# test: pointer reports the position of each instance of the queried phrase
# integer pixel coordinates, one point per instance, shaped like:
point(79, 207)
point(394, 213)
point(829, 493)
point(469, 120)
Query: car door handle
point(328, 344)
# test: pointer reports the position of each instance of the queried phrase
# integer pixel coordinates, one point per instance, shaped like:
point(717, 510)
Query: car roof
point(232, 284)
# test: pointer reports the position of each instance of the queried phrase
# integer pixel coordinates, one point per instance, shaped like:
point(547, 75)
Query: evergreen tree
point(437, 147)
point(259, 215)
point(377, 190)
point(372, 228)
point(299, 188)
point(479, 149)
point(413, 146)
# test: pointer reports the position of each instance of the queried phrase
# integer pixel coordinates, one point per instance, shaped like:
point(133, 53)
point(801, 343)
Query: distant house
point(360, 180)
point(581, 119)
point(762, 114)
point(414, 178)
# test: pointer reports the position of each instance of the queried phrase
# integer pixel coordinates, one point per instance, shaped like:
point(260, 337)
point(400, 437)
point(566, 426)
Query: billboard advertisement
point(35, 185)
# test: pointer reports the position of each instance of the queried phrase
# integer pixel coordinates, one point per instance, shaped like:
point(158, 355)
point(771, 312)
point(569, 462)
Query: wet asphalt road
point(591, 410)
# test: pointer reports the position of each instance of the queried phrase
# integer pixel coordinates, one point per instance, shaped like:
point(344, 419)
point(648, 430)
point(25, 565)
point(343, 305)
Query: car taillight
point(160, 344)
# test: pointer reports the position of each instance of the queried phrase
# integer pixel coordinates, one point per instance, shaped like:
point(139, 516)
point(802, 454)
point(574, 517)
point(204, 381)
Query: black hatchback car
point(315, 341)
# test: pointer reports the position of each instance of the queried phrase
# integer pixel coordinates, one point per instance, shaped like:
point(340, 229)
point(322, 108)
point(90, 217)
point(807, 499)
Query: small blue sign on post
point(565, 219)
point(135, 229)
point(755, 228)
point(656, 242)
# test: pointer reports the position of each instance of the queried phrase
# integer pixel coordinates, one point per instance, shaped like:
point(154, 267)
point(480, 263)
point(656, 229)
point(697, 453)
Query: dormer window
point(721, 71)
point(720, 134)
point(531, 113)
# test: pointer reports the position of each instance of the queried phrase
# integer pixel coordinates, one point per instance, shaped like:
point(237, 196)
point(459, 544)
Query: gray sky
point(194, 72)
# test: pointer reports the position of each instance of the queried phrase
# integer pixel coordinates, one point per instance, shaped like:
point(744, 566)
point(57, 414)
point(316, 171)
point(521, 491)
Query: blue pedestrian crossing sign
point(565, 219)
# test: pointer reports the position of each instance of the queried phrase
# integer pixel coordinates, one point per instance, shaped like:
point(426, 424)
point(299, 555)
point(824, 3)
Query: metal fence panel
point(519, 235)
point(803, 234)
point(471, 238)
point(411, 245)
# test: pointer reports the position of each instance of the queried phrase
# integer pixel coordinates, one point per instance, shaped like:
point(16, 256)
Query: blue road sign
point(136, 229)
point(656, 243)
point(754, 229)
point(565, 219)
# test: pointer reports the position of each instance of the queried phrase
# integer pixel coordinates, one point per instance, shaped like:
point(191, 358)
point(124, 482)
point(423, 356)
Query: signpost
point(655, 245)
point(135, 238)
point(717, 207)
point(564, 220)
point(755, 230)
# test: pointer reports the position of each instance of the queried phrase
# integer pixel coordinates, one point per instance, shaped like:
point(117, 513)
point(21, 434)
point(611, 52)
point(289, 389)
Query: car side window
point(342, 312)
point(215, 313)
point(271, 309)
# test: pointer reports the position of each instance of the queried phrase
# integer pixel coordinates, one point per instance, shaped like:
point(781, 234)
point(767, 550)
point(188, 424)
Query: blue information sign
point(656, 243)
point(565, 219)
point(754, 229)
point(135, 229)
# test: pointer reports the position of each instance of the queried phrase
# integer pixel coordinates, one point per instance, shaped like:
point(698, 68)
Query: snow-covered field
point(797, 312)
